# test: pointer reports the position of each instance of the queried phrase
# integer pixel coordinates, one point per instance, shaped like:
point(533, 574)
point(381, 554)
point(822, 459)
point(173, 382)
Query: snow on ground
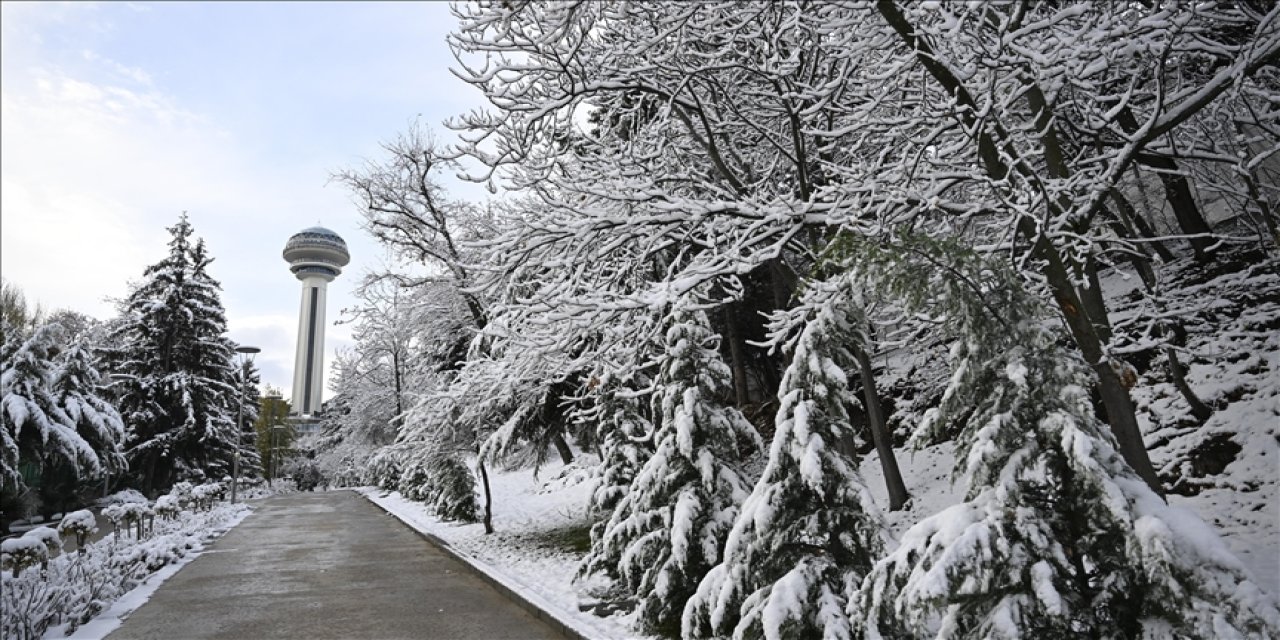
point(1231, 463)
point(927, 474)
point(539, 538)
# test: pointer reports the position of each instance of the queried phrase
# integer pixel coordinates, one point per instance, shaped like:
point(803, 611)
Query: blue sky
point(119, 116)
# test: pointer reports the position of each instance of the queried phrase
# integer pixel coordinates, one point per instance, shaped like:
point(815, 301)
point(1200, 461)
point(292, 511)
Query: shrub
point(17, 554)
point(80, 524)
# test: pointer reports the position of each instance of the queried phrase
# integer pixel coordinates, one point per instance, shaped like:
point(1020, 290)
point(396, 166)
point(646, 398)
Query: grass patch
point(573, 538)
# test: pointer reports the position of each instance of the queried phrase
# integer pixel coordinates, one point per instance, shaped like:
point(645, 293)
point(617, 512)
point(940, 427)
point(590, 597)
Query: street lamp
point(246, 356)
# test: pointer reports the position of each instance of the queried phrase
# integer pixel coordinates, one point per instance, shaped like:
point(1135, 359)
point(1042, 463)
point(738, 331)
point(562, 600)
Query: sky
point(117, 117)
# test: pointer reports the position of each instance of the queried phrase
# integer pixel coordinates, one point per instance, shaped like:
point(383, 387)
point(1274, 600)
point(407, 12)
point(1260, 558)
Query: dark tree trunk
point(1190, 220)
point(1177, 192)
point(1094, 305)
point(395, 364)
point(737, 354)
point(488, 497)
point(1137, 225)
point(562, 447)
point(898, 496)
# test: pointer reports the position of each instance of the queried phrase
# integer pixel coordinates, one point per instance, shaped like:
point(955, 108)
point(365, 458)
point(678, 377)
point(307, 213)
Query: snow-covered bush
point(129, 514)
point(454, 497)
point(167, 506)
point(445, 483)
point(116, 514)
point(415, 481)
point(123, 496)
point(384, 469)
point(77, 587)
point(182, 491)
point(206, 494)
point(80, 524)
point(47, 535)
point(23, 552)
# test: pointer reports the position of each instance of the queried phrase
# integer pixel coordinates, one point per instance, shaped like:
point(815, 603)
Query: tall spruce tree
point(809, 531)
point(251, 461)
point(669, 528)
point(180, 390)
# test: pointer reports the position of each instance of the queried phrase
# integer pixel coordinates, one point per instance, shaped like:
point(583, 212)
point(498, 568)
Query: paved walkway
point(327, 565)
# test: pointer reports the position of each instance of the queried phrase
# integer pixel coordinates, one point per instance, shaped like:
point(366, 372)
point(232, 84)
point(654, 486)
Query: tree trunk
point(1177, 193)
point(782, 281)
point(898, 496)
point(562, 447)
point(1170, 329)
point(1190, 220)
point(395, 364)
point(737, 355)
point(488, 497)
point(1094, 305)
point(1137, 226)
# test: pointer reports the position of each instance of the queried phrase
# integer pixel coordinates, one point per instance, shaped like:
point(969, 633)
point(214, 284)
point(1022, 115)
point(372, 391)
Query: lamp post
point(246, 356)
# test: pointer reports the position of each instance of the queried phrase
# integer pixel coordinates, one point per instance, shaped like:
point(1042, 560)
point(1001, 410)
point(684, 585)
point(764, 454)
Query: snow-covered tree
point(17, 315)
point(180, 391)
point(58, 427)
point(1057, 536)
point(408, 211)
point(670, 526)
point(444, 482)
point(625, 437)
point(36, 425)
point(77, 385)
point(809, 531)
point(251, 461)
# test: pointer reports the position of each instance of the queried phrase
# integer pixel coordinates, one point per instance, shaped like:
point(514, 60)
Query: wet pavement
point(327, 565)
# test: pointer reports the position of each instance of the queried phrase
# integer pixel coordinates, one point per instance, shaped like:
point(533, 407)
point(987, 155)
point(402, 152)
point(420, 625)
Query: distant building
point(315, 256)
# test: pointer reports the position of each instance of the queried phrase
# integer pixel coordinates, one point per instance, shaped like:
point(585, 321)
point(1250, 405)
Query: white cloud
point(134, 74)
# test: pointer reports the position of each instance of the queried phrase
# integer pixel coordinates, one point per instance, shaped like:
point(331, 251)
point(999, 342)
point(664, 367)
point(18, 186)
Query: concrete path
point(327, 565)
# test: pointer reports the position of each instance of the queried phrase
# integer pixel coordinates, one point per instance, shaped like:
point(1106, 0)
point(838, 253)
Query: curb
point(545, 616)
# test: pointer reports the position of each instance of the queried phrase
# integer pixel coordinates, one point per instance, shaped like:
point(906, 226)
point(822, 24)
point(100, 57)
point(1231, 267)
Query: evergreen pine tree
point(669, 528)
point(75, 383)
point(1058, 537)
point(251, 464)
point(37, 429)
point(624, 435)
point(180, 394)
point(809, 530)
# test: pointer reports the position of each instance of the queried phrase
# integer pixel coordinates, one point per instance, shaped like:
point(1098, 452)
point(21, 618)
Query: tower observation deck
point(316, 256)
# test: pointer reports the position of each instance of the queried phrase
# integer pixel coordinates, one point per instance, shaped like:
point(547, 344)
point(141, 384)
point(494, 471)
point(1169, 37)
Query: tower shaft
point(316, 256)
point(308, 365)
